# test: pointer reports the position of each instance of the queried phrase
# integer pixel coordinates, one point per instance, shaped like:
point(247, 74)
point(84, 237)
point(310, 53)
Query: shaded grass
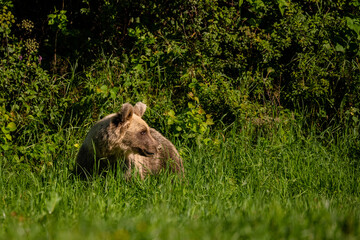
point(268, 183)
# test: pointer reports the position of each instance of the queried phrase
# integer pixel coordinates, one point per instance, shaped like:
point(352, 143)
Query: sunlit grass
point(259, 184)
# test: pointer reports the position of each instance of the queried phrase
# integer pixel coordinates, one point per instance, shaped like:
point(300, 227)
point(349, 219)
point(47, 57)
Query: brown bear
point(125, 138)
point(113, 138)
point(166, 156)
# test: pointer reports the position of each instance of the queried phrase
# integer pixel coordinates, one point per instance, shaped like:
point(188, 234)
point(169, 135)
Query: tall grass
point(272, 182)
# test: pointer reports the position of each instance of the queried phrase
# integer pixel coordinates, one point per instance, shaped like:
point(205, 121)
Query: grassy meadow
point(273, 182)
point(261, 98)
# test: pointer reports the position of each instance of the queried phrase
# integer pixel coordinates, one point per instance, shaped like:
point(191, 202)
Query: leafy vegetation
point(260, 97)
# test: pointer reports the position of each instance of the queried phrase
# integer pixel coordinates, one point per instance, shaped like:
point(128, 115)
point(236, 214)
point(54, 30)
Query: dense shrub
point(238, 55)
point(194, 63)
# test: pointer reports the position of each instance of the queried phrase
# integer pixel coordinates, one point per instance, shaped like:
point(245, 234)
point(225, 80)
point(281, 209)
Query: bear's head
point(134, 130)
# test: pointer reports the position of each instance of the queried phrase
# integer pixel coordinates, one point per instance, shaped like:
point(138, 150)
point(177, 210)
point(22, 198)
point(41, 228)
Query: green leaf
point(113, 93)
point(4, 130)
point(241, 2)
point(339, 48)
point(170, 121)
point(8, 136)
point(283, 4)
point(202, 129)
point(354, 25)
point(11, 126)
point(171, 113)
point(355, 119)
point(5, 147)
point(190, 105)
point(103, 88)
point(209, 121)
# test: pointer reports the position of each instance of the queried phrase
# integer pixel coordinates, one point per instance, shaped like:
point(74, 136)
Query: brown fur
point(166, 156)
point(114, 138)
point(125, 136)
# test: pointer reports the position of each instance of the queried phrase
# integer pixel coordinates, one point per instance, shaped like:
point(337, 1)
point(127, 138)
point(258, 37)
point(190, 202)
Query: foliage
point(194, 123)
point(58, 19)
point(6, 20)
point(33, 104)
point(239, 55)
point(198, 65)
point(7, 127)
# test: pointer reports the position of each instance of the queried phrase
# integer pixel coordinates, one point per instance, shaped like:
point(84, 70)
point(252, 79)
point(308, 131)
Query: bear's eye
point(143, 132)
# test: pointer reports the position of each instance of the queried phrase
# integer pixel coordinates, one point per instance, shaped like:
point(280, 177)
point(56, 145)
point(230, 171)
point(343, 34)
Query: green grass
point(273, 183)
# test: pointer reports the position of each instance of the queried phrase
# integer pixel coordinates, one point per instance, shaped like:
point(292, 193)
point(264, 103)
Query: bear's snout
point(146, 153)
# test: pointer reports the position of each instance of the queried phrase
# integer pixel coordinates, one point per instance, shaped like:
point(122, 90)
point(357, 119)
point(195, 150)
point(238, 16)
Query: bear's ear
point(124, 115)
point(139, 109)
